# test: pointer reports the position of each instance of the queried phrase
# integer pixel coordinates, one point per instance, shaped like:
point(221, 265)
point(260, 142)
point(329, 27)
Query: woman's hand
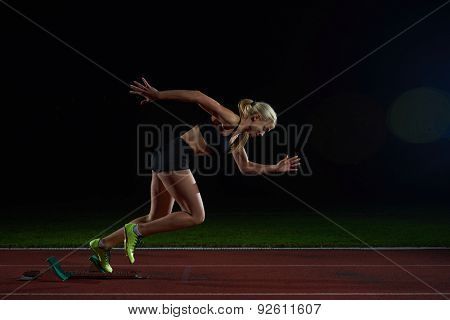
point(288, 164)
point(145, 90)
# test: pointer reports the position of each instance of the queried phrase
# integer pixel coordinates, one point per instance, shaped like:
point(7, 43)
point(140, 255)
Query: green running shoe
point(131, 241)
point(103, 255)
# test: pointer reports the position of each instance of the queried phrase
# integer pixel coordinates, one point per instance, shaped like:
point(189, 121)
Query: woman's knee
point(199, 219)
point(197, 216)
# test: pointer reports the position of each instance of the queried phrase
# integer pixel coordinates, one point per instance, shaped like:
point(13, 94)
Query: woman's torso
point(207, 139)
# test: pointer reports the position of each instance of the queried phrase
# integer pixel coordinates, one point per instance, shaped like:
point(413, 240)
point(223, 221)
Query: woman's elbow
point(197, 95)
point(244, 169)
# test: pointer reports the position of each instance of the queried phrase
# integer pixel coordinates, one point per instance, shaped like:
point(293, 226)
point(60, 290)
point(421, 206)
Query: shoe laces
point(137, 241)
point(108, 255)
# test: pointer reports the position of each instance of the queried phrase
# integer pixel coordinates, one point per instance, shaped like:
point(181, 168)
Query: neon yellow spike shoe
point(103, 255)
point(131, 241)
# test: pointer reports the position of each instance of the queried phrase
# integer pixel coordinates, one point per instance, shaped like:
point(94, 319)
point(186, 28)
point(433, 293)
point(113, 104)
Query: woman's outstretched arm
point(210, 105)
point(248, 167)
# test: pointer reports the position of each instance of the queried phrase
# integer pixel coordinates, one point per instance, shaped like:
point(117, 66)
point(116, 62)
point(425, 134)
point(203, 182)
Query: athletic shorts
point(173, 155)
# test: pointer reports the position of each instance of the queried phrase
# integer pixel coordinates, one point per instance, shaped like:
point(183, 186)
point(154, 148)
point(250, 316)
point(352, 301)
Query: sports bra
point(217, 142)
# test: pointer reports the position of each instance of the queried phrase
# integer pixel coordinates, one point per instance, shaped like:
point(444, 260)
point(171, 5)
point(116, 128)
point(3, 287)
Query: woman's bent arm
point(208, 104)
point(214, 108)
point(248, 167)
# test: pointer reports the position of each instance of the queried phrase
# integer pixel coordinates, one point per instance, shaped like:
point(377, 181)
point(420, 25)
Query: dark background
point(69, 128)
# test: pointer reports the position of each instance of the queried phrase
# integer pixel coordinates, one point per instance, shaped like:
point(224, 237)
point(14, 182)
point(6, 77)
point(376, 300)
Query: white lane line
point(232, 294)
point(237, 248)
point(236, 265)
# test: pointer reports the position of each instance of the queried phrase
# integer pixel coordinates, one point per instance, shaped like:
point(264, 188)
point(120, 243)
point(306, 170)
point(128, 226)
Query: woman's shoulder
point(224, 126)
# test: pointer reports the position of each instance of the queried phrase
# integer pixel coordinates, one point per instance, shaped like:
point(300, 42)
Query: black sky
point(69, 128)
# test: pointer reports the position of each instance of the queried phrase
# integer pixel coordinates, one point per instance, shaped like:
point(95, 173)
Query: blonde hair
point(248, 108)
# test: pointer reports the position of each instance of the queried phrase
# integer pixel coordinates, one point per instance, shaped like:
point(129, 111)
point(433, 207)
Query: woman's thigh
point(183, 188)
point(161, 199)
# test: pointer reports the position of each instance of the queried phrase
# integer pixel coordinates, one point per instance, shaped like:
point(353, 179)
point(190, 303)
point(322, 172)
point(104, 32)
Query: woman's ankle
point(136, 230)
point(103, 245)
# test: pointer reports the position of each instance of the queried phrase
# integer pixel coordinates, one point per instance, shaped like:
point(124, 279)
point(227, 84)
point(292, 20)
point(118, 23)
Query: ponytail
point(248, 108)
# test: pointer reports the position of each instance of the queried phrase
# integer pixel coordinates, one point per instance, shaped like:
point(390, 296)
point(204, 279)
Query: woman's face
point(257, 127)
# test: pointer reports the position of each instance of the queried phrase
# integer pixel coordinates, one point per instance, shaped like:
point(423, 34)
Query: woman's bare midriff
point(195, 140)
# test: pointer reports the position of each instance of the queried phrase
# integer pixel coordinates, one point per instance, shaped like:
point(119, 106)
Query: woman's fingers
point(138, 89)
point(146, 83)
point(290, 164)
point(143, 89)
point(140, 85)
point(144, 101)
point(141, 93)
point(295, 158)
point(137, 93)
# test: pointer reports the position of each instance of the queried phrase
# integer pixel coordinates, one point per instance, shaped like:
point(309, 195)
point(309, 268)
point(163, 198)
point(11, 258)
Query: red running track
point(238, 274)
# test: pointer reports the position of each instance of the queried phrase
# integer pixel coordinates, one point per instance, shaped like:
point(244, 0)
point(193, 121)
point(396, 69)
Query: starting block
point(63, 275)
